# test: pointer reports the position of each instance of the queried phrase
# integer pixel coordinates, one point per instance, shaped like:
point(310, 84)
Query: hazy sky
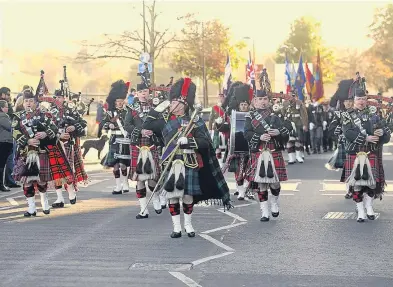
point(35, 26)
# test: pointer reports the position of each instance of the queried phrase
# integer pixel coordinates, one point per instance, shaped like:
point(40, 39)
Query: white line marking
point(206, 259)
point(5, 207)
point(12, 201)
point(223, 227)
point(8, 194)
point(232, 215)
point(216, 242)
point(343, 194)
point(186, 280)
point(288, 193)
point(242, 205)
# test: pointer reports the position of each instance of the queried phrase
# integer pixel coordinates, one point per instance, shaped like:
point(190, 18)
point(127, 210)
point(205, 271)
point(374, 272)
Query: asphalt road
point(98, 241)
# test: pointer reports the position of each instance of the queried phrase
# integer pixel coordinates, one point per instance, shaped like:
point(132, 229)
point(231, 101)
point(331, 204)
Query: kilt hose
point(279, 164)
point(376, 168)
point(134, 151)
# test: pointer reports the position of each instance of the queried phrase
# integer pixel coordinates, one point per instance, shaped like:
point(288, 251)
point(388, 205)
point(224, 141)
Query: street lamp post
point(144, 28)
point(253, 46)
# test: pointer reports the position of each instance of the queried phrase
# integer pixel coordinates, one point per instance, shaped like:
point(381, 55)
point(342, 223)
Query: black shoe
point(73, 201)
point(291, 162)
point(163, 206)
point(117, 192)
point(236, 193)
point(371, 217)
point(125, 191)
point(348, 195)
point(308, 152)
point(191, 234)
point(240, 198)
point(275, 214)
point(324, 150)
point(142, 216)
point(159, 211)
point(13, 185)
point(46, 211)
point(360, 220)
point(314, 152)
point(58, 205)
point(28, 214)
point(176, 234)
point(3, 188)
point(264, 218)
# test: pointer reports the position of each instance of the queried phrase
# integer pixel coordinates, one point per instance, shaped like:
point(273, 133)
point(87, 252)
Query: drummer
point(118, 156)
point(239, 157)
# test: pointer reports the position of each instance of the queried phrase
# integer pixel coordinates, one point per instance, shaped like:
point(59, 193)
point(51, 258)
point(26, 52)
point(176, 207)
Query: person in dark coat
point(6, 141)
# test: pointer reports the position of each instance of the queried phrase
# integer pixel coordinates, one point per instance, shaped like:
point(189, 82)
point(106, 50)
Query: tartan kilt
point(279, 165)
point(134, 151)
point(235, 163)
point(110, 160)
point(341, 155)
point(191, 186)
point(375, 164)
point(74, 157)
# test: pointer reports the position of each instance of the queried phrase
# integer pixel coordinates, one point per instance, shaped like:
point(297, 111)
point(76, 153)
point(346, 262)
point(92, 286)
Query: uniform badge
point(156, 101)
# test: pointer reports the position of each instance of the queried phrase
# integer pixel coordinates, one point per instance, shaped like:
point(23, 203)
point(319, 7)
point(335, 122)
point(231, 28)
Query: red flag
point(318, 91)
point(309, 81)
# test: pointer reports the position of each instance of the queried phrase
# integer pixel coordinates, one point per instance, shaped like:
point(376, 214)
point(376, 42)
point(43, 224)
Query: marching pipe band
point(161, 142)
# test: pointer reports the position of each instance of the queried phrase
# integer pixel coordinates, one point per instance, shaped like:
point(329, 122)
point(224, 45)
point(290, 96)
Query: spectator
point(131, 96)
point(5, 94)
point(6, 141)
point(99, 117)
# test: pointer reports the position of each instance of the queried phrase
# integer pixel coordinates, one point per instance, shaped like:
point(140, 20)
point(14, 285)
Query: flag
point(293, 74)
point(227, 76)
point(318, 91)
point(42, 89)
point(251, 73)
point(309, 81)
point(300, 79)
point(287, 75)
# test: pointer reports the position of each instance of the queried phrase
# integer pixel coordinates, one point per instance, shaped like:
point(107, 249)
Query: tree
point(349, 62)
point(381, 31)
point(305, 38)
point(129, 45)
point(203, 51)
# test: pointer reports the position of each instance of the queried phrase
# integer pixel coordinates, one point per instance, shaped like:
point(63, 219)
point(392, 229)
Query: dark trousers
point(100, 126)
point(327, 141)
point(9, 180)
point(6, 151)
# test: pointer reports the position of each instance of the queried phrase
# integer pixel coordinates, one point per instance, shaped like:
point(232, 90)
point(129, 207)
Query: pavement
point(98, 242)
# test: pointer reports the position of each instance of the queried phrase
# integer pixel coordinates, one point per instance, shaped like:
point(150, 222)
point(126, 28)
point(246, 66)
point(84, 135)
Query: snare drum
point(237, 142)
point(122, 148)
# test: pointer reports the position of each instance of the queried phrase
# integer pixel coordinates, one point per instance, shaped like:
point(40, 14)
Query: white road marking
point(11, 193)
point(232, 215)
point(242, 205)
point(223, 227)
point(216, 242)
point(206, 259)
point(186, 280)
point(12, 201)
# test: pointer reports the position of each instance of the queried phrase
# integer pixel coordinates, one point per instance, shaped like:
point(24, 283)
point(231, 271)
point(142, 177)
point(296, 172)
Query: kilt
point(279, 165)
point(239, 165)
point(375, 164)
point(134, 151)
point(75, 160)
point(191, 186)
point(110, 160)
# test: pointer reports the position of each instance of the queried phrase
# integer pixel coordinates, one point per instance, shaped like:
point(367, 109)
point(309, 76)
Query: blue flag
point(300, 79)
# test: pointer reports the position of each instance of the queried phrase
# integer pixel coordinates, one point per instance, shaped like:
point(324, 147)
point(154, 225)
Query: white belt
point(296, 116)
point(117, 132)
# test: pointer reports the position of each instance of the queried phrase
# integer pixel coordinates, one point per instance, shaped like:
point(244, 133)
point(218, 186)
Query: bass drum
point(237, 142)
point(122, 148)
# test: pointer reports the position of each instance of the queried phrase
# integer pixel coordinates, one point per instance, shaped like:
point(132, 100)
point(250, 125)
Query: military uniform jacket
point(356, 126)
point(296, 112)
point(258, 123)
point(26, 125)
point(136, 115)
point(217, 112)
point(111, 118)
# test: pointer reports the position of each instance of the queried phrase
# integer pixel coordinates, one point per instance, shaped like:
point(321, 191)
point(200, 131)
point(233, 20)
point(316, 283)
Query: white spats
point(31, 205)
point(71, 192)
point(274, 204)
point(118, 184)
point(143, 204)
point(156, 201)
point(264, 206)
point(125, 185)
point(299, 157)
point(291, 158)
point(176, 223)
point(368, 204)
point(60, 197)
point(162, 200)
point(44, 201)
point(361, 213)
point(241, 190)
point(187, 223)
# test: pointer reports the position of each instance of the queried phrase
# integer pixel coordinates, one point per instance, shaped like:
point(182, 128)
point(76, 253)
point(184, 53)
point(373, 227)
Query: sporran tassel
point(148, 169)
point(262, 172)
point(170, 184)
point(365, 175)
point(357, 173)
point(270, 173)
point(180, 183)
